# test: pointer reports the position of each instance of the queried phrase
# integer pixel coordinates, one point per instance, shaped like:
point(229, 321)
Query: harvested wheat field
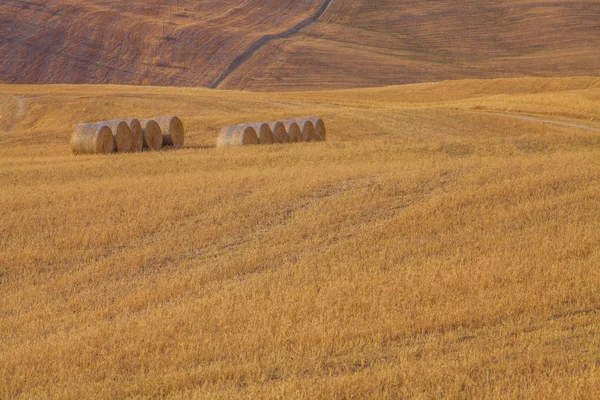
point(444, 242)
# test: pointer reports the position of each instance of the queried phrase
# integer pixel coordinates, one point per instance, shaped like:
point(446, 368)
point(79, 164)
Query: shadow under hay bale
point(172, 131)
point(239, 135)
point(264, 133)
point(294, 133)
point(308, 129)
point(92, 139)
point(152, 134)
point(320, 131)
point(279, 132)
point(121, 134)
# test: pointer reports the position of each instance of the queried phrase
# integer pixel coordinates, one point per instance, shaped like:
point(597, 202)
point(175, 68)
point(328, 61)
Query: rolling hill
point(276, 45)
point(444, 242)
point(112, 41)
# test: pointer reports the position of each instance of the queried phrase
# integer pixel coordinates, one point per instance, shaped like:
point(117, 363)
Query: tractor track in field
point(266, 39)
point(543, 120)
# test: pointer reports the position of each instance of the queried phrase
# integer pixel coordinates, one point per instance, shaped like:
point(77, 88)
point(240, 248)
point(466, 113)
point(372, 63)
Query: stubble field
point(444, 242)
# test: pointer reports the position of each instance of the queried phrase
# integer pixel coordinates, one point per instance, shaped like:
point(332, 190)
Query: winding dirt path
point(263, 41)
point(547, 121)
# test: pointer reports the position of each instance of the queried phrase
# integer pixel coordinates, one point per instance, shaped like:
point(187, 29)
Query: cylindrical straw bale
point(239, 135)
point(122, 135)
point(294, 133)
point(137, 134)
point(279, 132)
point(92, 139)
point(308, 129)
point(264, 133)
point(172, 130)
point(319, 128)
point(152, 134)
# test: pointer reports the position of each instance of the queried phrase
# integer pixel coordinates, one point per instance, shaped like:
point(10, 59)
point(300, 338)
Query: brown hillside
point(108, 41)
point(365, 43)
point(355, 43)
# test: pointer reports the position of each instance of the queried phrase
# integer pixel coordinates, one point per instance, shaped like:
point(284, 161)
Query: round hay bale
point(137, 134)
point(152, 134)
point(308, 129)
point(294, 133)
point(172, 131)
point(239, 135)
point(92, 139)
point(122, 135)
point(279, 132)
point(264, 133)
point(319, 128)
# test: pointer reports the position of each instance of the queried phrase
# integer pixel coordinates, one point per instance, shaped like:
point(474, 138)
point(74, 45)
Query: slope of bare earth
point(355, 43)
point(443, 243)
point(370, 43)
point(108, 41)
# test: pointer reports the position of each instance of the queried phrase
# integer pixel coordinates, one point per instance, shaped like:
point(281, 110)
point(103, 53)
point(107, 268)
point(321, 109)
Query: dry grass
point(427, 249)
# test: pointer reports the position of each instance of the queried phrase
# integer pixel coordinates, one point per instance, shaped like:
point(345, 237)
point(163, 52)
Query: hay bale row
point(239, 135)
point(292, 131)
point(92, 139)
point(152, 134)
point(172, 131)
point(127, 135)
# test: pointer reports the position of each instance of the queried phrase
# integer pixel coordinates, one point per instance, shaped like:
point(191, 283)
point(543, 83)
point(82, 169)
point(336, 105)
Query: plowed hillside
point(354, 43)
point(108, 41)
point(370, 43)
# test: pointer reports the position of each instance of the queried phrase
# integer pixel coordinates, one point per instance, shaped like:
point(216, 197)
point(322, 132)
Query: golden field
point(443, 243)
